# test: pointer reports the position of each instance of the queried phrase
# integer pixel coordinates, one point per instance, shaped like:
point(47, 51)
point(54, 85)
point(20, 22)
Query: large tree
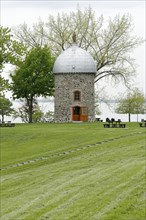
point(34, 77)
point(110, 43)
point(133, 103)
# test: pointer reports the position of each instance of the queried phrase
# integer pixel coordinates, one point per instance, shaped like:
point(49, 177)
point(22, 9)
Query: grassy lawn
point(73, 172)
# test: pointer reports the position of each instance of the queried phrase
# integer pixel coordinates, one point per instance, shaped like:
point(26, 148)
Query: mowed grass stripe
point(75, 181)
point(77, 185)
point(42, 202)
point(98, 153)
point(46, 157)
point(108, 153)
point(87, 190)
point(80, 208)
point(32, 141)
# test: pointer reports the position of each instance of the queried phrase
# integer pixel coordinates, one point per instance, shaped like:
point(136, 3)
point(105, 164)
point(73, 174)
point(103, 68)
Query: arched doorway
point(76, 113)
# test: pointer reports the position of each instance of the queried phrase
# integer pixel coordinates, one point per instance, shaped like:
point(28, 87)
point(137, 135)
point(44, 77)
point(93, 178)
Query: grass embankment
point(73, 172)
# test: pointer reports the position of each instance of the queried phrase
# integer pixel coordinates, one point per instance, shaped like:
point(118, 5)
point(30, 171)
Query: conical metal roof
point(74, 60)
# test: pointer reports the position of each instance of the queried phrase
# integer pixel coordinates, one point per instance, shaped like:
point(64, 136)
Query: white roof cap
point(74, 60)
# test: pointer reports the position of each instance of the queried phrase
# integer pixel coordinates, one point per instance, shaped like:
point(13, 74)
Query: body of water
point(106, 111)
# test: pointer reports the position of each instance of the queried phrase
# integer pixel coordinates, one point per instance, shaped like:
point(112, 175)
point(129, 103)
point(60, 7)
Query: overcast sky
point(17, 12)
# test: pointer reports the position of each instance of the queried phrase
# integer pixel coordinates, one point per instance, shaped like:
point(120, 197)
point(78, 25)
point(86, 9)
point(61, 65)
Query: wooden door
point(76, 112)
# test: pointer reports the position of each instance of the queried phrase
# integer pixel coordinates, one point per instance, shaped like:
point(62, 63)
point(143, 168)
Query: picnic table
point(7, 124)
point(114, 124)
point(142, 123)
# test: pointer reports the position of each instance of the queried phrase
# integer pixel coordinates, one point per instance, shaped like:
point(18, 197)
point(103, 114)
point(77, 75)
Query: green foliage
point(133, 103)
point(4, 85)
point(5, 44)
point(34, 77)
point(37, 115)
point(73, 171)
point(5, 107)
point(23, 113)
point(12, 52)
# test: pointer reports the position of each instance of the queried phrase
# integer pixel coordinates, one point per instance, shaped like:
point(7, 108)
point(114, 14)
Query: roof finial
point(74, 37)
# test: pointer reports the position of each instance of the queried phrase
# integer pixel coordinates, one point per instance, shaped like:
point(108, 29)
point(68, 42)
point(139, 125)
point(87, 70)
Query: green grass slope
point(73, 172)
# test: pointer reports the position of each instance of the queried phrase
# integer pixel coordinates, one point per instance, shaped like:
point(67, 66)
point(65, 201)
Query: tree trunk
point(129, 117)
point(2, 116)
point(137, 117)
point(30, 107)
point(3, 119)
point(30, 115)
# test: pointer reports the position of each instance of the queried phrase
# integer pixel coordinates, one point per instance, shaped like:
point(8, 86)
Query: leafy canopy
point(34, 77)
point(133, 103)
point(12, 51)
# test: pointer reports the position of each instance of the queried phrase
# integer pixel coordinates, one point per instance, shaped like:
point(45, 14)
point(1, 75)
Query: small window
point(77, 96)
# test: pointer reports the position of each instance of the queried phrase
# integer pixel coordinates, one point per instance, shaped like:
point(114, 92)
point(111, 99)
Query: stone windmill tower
point(74, 71)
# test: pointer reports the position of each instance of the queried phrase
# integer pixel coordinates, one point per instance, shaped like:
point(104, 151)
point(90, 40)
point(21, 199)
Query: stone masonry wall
point(65, 86)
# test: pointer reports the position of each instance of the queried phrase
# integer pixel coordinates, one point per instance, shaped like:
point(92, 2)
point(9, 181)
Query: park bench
point(7, 124)
point(114, 124)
